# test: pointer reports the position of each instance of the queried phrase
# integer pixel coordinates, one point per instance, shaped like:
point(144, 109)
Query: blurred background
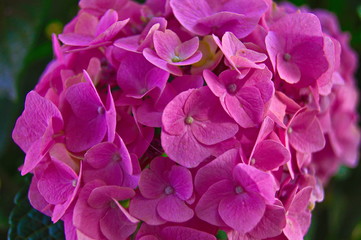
point(25, 50)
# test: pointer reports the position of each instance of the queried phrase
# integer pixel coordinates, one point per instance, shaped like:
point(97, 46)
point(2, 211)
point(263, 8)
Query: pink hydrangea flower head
point(244, 99)
point(237, 54)
point(295, 46)
point(235, 190)
point(165, 187)
point(59, 184)
point(35, 129)
point(138, 80)
point(172, 232)
point(89, 112)
point(192, 122)
point(170, 52)
point(89, 31)
point(109, 219)
point(138, 43)
point(210, 16)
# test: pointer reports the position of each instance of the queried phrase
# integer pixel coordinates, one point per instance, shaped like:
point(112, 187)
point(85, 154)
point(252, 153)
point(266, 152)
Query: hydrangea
point(177, 119)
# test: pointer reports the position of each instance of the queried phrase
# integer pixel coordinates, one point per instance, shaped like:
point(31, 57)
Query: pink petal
point(254, 180)
point(151, 185)
point(152, 57)
point(271, 224)
point(288, 70)
point(185, 233)
point(148, 214)
point(114, 225)
point(34, 121)
point(269, 155)
point(184, 149)
point(217, 170)
point(242, 211)
point(305, 133)
point(85, 218)
point(207, 206)
point(180, 179)
point(101, 154)
point(101, 196)
point(213, 83)
point(187, 48)
point(173, 209)
point(110, 33)
point(109, 17)
point(165, 44)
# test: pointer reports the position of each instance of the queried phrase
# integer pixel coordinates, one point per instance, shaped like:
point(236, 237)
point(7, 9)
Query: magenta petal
point(191, 60)
point(184, 233)
point(148, 214)
point(101, 196)
point(151, 185)
point(172, 209)
point(217, 170)
point(243, 211)
point(110, 33)
point(128, 43)
point(33, 157)
point(165, 43)
point(73, 39)
point(269, 155)
point(85, 218)
point(271, 224)
point(213, 83)
point(114, 225)
point(88, 113)
point(109, 17)
point(288, 71)
point(180, 179)
point(33, 122)
point(145, 77)
point(56, 183)
point(173, 116)
point(246, 108)
point(254, 180)
point(153, 58)
point(78, 136)
point(305, 133)
point(185, 149)
point(36, 200)
point(187, 48)
point(111, 116)
point(101, 154)
point(211, 124)
point(207, 206)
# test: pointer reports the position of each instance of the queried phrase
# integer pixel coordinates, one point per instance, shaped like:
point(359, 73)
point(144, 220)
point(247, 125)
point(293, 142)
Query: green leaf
point(221, 235)
point(27, 223)
point(359, 11)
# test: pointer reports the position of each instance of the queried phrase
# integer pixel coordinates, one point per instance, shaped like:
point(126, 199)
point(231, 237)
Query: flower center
point(253, 161)
point(74, 182)
point(116, 157)
point(189, 120)
point(113, 204)
point(232, 88)
point(101, 110)
point(168, 190)
point(176, 59)
point(287, 57)
point(290, 130)
point(238, 190)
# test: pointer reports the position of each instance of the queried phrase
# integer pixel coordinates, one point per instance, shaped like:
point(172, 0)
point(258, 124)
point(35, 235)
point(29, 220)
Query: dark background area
point(25, 50)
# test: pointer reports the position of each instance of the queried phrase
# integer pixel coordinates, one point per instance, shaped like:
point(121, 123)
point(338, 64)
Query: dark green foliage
point(27, 223)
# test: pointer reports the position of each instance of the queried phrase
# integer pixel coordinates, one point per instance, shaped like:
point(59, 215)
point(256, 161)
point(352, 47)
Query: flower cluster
point(177, 119)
